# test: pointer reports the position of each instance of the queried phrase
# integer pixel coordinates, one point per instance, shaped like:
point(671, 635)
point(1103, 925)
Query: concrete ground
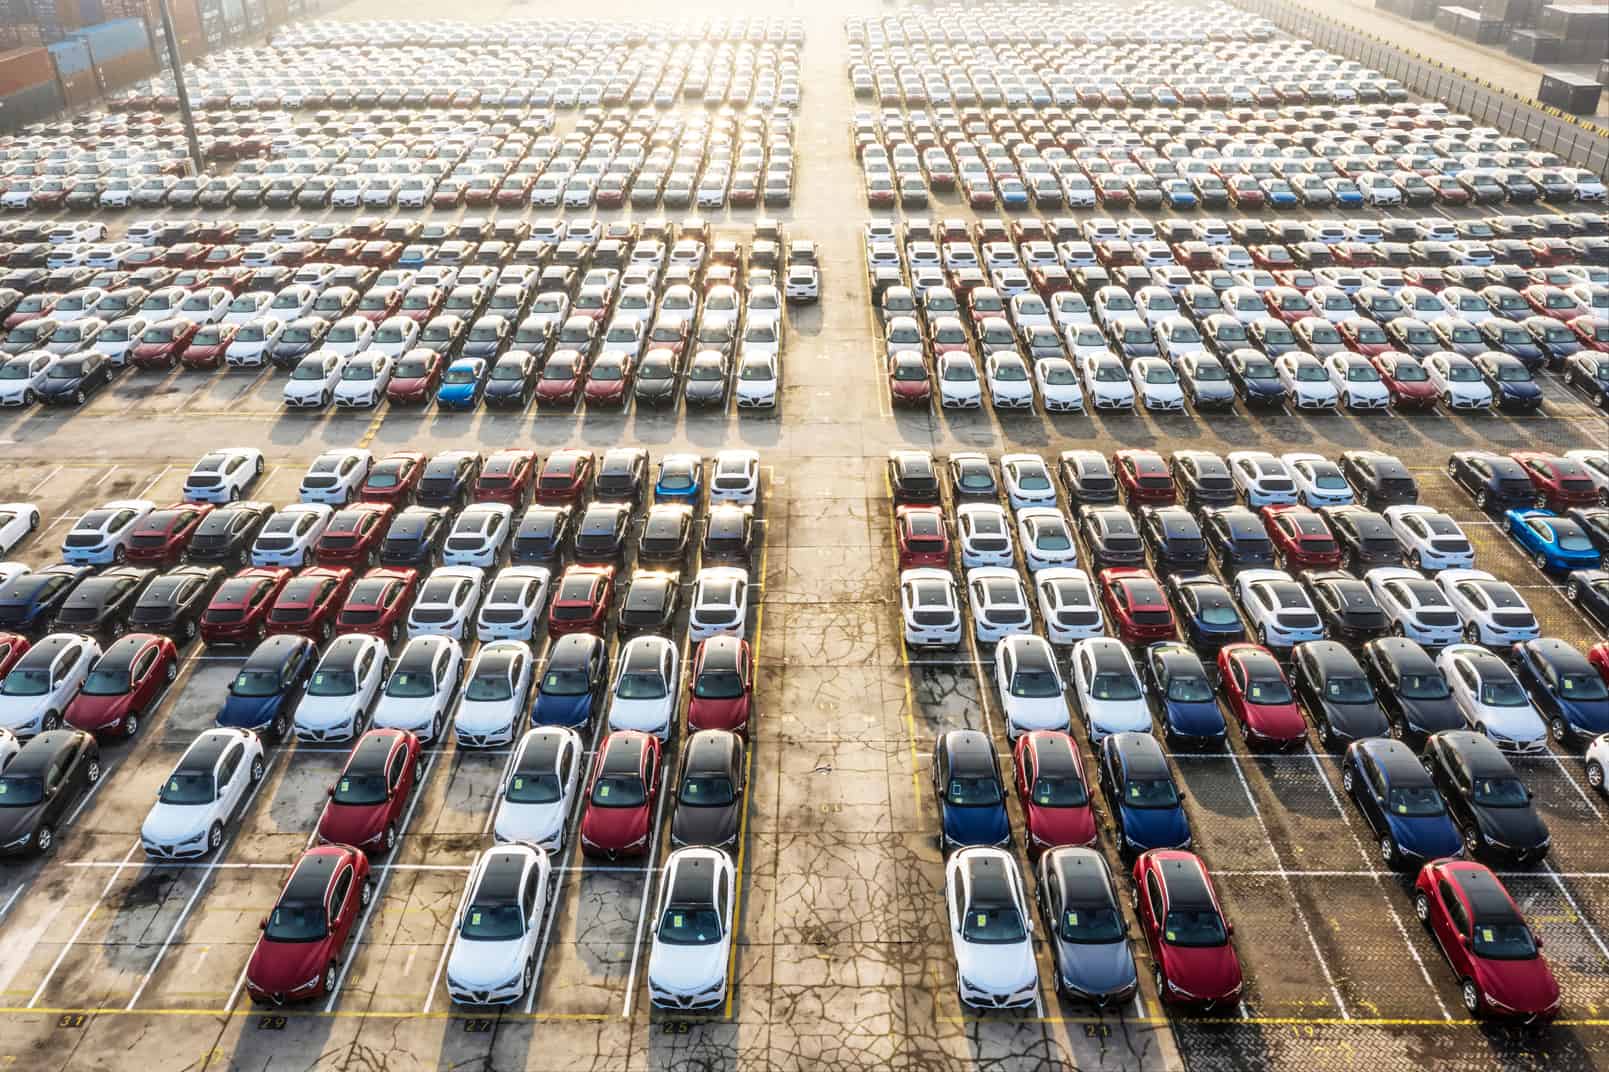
point(843, 960)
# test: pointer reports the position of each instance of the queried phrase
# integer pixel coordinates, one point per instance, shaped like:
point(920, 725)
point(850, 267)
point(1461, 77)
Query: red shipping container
point(124, 70)
point(80, 89)
point(23, 68)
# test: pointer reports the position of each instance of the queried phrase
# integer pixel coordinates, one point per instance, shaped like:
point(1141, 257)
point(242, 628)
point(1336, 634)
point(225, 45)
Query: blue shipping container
point(119, 37)
point(72, 58)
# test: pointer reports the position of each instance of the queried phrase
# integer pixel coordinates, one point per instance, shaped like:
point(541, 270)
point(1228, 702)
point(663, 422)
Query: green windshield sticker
point(1072, 919)
point(1171, 935)
point(676, 921)
point(346, 784)
point(1487, 935)
point(983, 919)
point(519, 783)
point(1402, 809)
point(474, 919)
point(603, 790)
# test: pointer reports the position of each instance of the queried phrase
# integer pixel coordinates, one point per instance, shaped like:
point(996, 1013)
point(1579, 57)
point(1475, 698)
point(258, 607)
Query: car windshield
point(1503, 693)
point(1189, 689)
point(707, 791)
point(690, 926)
point(1194, 927)
point(718, 685)
point(412, 368)
point(360, 789)
point(333, 683)
point(973, 792)
point(619, 791)
point(1090, 925)
point(993, 925)
point(255, 683)
point(1348, 690)
point(489, 688)
point(187, 788)
point(1574, 686)
point(1414, 801)
point(1423, 687)
point(1035, 684)
point(1509, 940)
point(1060, 791)
point(296, 921)
point(1501, 793)
point(1150, 793)
point(565, 682)
point(1115, 687)
point(460, 374)
point(641, 685)
point(410, 685)
point(20, 790)
point(492, 923)
point(106, 681)
point(543, 788)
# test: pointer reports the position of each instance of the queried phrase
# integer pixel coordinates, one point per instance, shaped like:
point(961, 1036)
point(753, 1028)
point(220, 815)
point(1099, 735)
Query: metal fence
point(1578, 141)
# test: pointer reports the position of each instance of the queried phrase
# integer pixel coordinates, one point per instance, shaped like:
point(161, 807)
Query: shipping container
point(90, 12)
point(125, 69)
point(81, 89)
point(109, 40)
point(71, 58)
point(23, 36)
point(24, 68)
point(30, 105)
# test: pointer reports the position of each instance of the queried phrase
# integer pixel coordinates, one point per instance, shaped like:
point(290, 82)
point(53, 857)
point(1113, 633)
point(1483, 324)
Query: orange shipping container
point(23, 68)
point(80, 89)
point(123, 70)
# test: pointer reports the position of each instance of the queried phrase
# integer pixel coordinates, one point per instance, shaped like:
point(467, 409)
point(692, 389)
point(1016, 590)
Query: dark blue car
point(1399, 801)
point(1205, 611)
point(572, 682)
point(264, 694)
point(1255, 377)
point(1513, 386)
point(29, 602)
point(1083, 917)
point(1145, 801)
point(1567, 689)
point(971, 795)
point(1183, 691)
point(1497, 482)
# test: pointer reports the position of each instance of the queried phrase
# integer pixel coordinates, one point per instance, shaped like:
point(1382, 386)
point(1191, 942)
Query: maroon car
point(352, 538)
point(160, 537)
point(416, 378)
point(366, 802)
point(298, 955)
point(620, 796)
point(308, 604)
point(124, 683)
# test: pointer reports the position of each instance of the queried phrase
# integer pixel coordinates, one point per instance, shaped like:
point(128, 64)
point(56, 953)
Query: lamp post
point(178, 83)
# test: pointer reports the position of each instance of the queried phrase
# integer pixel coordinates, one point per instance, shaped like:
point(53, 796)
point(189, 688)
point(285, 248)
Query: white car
point(991, 929)
point(1596, 463)
point(1156, 384)
point(343, 688)
point(736, 477)
point(985, 535)
point(720, 602)
point(394, 337)
point(1011, 386)
point(930, 608)
point(420, 688)
point(1597, 762)
point(1492, 611)
point(314, 379)
point(288, 536)
point(248, 307)
point(115, 341)
point(959, 384)
point(1068, 605)
point(22, 376)
point(757, 381)
point(446, 602)
point(1030, 686)
point(363, 380)
point(998, 603)
point(205, 306)
point(646, 688)
point(1027, 480)
point(1107, 690)
point(499, 926)
point(101, 536)
point(497, 692)
point(1280, 611)
point(1357, 382)
point(1416, 605)
point(692, 938)
point(40, 685)
point(479, 535)
point(1457, 381)
point(513, 603)
point(17, 520)
point(1058, 385)
point(1306, 380)
point(1106, 380)
point(253, 339)
point(335, 476)
point(199, 800)
point(1432, 539)
point(1261, 478)
point(223, 475)
point(538, 790)
point(1491, 698)
point(1047, 538)
point(1319, 481)
point(349, 335)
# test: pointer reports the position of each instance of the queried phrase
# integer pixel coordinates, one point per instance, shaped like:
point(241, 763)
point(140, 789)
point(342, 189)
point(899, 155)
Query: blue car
point(462, 384)
point(1139, 787)
point(1567, 689)
point(1205, 611)
point(1282, 196)
point(1513, 386)
point(264, 694)
point(1013, 194)
point(1346, 194)
point(681, 478)
point(1255, 377)
point(1181, 196)
point(1179, 681)
point(1589, 372)
point(970, 792)
point(30, 601)
point(570, 692)
point(1399, 801)
point(1556, 544)
point(416, 256)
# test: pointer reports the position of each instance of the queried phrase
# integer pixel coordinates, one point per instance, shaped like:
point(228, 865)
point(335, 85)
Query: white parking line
point(553, 910)
point(154, 481)
point(89, 796)
point(1558, 880)
point(6, 908)
point(105, 477)
point(446, 948)
point(1582, 793)
point(647, 888)
point(48, 477)
point(106, 889)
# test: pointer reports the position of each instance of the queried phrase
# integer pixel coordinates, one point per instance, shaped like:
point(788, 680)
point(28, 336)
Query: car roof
point(202, 755)
point(275, 650)
point(623, 755)
point(1185, 882)
point(1396, 760)
point(502, 871)
point(1084, 877)
point(693, 881)
point(540, 750)
point(1478, 753)
point(1140, 755)
point(709, 749)
point(987, 881)
point(969, 748)
point(1488, 901)
point(371, 753)
point(41, 751)
point(312, 875)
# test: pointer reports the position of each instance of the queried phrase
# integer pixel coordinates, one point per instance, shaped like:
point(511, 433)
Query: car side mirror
point(1530, 794)
point(1182, 796)
point(1537, 938)
point(262, 924)
point(1463, 940)
point(330, 792)
point(1229, 929)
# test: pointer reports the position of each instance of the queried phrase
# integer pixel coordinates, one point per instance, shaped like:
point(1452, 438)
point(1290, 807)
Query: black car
point(667, 534)
point(649, 603)
point(485, 337)
point(1410, 687)
point(226, 534)
point(1336, 693)
point(1490, 804)
point(44, 783)
point(1594, 521)
point(1350, 612)
point(1202, 479)
point(448, 479)
point(298, 339)
point(1380, 480)
point(656, 380)
point(600, 535)
point(1223, 335)
point(172, 603)
point(1087, 475)
point(1498, 483)
point(622, 476)
point(1237, 539)
point(728, 533)
point(1566, 688)
point(512, 380)
point(709, 792)
point(541, 534)
point(28, 603)
point(1365, 537)
point(74, 379)
point(1553, 339)
point(1173, 538)
point(972, 477)
point(442, 335)
point(913, 478)
point(416, 537)
point(1255, 377)
point(100, 606)
point(1112, 536)
point(1206, 612)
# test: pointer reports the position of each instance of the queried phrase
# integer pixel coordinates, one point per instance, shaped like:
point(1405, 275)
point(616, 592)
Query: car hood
point(170, 824)
point(404, 714)
point(1213, 389)
point(1430, 836)
point(614, 827)
point(248, 712)
point(1097, 969)
point(1119, 716)
point(1516, 723)
point(1195, 719)
point(277, 967)
point(1432, 716)
point(60, 386)
point(1048, 713)
point(18, 823)
point(1156, 828)
point(97, 712)
point(530, 822)
point(18, 711)
point(1210, 972)
point(550, 710)
point(349, 824)
point(322, 712)
point(999, 969)
point(705, 388)
point(718, 714)
point(1357, 719)
point(645, 715)
point(1588, 716)
point(976, 825)
point(704, 826)
point(1062, 826)
point(687, 969)
point(1525, 986)
point(483, 716)
point(1520, 828)
point(479, 965)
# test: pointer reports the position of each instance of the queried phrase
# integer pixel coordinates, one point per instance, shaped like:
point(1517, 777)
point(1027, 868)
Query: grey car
point(709, 796)
point(706, 379)
point(1084, 921)
point(1205, 381)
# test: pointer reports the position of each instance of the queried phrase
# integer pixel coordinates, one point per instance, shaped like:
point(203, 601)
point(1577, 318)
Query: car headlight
point(712, 989)
point(18, 842)
point(639, 843)
point(310, 984)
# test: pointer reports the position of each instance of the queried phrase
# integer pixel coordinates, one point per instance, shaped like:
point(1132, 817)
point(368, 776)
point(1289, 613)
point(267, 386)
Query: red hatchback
point(1494, 953)
point(507, 477)
point(1143, 478)
point(1301, 538)
point(1184, 926)
point(378, 603)
point(1259, 696)
point(1559, 483)
point(564, 477)
point(1405, 379)
point(352, 538)
point(721, 686)
point(416, 377)
point(123, 684)
point(621, 794)
point(160, 537)
point(1136, 604)
point(393, 479)
point(238, 613)
point(297, 957)
point(923, 539)
point(581, 601)
point(308, 604)
point(366, 802)
point(1054, 794)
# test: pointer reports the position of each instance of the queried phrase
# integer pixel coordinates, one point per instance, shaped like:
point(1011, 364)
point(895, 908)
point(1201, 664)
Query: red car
point(1559, 483)
point(308, 604)
point(378, 603)
point(33, 307)
point(507, 477)
point(1494, 953)
point(379, 304)
point(1363, 336)
point(1184, 927)
point(298, 955)
point(909, 381)
point(206, 346)
point(1302, 539)
point(1597, 655)
point(393, 479)
point(1592, 332)
point(721, 686)
point(1136, 605)
point(123, 684)
point(1405, 379)
point(609, 380)
point(1053, 791)
point(13, 646)
point(923, 538)
point(160, 344)
point(620, 796)
point(1287, 304)
point(1259, 696)
point(1427, 276)
point(1143, 478)
point(1245, 192)
point(160, 537)
point(561, 378)
point(238, 613)
point(417, 375)
point(366, 803)
point(422, 304)
point(1553, 301)
point(581, 601)
point(564, 477)
point(352, 538)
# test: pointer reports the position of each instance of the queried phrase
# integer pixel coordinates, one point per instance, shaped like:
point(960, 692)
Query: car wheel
point(330, 977)
point(1559, 730)
point(1573, 591)
point(281, 726)
point(1395, 731)
point(119, 556)
point(1388, 850)
point(394, 635)
point(1421, 908)
point(1483, 499)
point(257, 770)
point(130, 725)
point(189, 629)
point(1416, 561)
point(529, 976)
point(44, 838)
point(1472, 634)
point(51, 721)
point(28, 397)
point(1452, 467)
point(1472, 842)
point(259, 467)
point(366, 893)
point(78, 398)
point(390, 841)
point(1161, 982)
point(1472, 997)
point(93, 772)
point(234, 494)
point(33, 522)
point(1541, 561)
point(215, 837)
point(1398, 631)
point(1595, 774)
point(1347, 781)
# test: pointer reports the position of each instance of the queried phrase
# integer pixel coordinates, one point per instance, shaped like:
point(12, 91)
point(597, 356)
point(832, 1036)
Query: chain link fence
point(1557, 133)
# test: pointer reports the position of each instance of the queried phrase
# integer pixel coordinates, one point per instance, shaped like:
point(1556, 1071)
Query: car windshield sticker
point(1072, 919)
point(956, 788)
point(983, 919)
point(519, 783)
point(346, 784)
point(1171, 935)
point(1134, 791)
point(474, 919)
point(603, 790)
point(676, 920)
point(1402, 809)
point(692, 788)
point(1487, 935)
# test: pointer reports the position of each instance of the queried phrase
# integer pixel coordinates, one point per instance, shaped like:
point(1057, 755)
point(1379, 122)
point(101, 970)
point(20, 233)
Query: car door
point(338, 911)
point(60, 792)
point(142, 675)
point(1450, 925)
point(529, 903)
point(230, 779)
point(1151, 910)
point(1371, 793)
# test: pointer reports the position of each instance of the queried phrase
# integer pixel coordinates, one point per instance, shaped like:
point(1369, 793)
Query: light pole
point(178, 84)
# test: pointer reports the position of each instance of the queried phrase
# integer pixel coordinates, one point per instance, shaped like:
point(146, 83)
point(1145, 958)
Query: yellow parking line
point(905, 657)
point(374, 427)
point(338, 1014)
